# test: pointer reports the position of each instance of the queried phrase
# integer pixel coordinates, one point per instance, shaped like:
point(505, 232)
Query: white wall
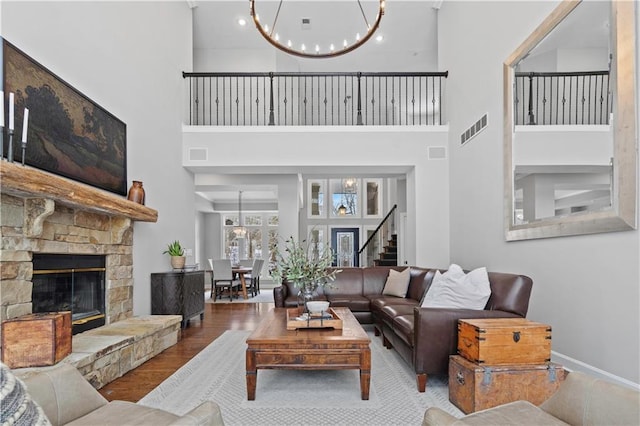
point(127, 57)
point(586, 287)
point(294, 149)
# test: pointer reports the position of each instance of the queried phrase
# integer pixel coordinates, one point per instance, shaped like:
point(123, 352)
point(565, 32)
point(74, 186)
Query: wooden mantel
point(27, 182)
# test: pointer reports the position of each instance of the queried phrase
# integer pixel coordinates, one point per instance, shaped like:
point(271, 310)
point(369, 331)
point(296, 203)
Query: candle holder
point(10, 151)
point(24, 148)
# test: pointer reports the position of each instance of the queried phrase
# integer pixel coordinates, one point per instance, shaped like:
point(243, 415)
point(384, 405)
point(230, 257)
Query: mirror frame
point(622, 215)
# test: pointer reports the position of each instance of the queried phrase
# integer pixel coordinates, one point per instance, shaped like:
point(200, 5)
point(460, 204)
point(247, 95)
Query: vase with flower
point(307, 265)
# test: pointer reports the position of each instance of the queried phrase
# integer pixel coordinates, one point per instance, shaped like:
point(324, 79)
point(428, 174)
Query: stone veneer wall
point(38, 225)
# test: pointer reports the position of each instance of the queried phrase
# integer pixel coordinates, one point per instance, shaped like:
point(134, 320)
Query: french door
point(345, 243)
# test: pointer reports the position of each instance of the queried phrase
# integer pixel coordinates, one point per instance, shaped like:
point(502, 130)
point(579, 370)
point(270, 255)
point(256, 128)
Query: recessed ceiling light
point(242, 22)
point(379, 38)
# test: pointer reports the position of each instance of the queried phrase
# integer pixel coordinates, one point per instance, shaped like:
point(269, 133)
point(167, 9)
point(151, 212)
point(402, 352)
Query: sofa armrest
point(206, 414)
point(435, 416)
point(280, 294)
point(436, 335)
point(63, 393)
point(583, 399)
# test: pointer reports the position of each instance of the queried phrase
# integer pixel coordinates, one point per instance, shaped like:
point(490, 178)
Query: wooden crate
point(504, 341)
point(474, 387)
point(36, 340)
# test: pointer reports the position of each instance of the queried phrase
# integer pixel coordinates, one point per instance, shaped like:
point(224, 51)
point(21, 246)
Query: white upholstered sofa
point(63, 397)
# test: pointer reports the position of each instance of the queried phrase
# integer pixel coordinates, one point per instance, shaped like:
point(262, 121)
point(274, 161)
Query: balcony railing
point(316, 99)
point(543, 98)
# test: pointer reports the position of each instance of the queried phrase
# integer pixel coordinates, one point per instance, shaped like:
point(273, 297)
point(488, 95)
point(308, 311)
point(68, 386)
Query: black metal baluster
point(359, 94)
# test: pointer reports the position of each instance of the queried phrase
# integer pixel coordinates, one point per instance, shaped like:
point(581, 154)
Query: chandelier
point(240, 231)
point(317, 50)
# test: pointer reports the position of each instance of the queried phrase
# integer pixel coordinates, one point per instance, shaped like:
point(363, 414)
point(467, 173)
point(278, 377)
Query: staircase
point(389, 257)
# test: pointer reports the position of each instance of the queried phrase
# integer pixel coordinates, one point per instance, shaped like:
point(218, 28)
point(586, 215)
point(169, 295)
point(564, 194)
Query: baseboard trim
point(572, 364)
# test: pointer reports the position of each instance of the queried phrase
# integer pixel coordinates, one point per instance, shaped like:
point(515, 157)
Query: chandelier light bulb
point(344, 43)
point(331, 48)
point(357, 36)
point(289, 43)
point(266, 28)
point(303, 48)
point(277, 37)
point(317, 48)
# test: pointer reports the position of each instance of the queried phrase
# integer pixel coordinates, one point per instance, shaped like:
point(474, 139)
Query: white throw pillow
point(455, 289)
point(397, 283)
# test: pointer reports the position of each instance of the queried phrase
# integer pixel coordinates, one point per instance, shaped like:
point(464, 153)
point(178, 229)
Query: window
point(316, 198)
point(344, 197)
point(259, 225)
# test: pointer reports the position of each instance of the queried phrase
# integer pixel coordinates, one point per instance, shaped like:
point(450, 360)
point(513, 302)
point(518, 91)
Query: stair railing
point(375, 232)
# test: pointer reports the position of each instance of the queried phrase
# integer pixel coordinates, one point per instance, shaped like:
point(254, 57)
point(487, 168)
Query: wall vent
point(437, 152)
point(198, 154)
point(472, 131)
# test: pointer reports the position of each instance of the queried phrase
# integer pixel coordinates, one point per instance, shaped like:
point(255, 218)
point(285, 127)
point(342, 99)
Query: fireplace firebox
point(73, 283)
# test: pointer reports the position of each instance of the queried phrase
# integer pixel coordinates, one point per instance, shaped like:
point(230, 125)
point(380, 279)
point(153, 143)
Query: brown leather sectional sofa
point(424, 337)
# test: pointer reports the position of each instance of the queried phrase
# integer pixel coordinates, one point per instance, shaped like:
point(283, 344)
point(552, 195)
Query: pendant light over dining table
point(343, 43)
point(240, 231)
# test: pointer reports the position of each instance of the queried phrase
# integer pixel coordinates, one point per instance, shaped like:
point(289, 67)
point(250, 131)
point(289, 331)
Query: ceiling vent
point(306, 23)
point(472, 131)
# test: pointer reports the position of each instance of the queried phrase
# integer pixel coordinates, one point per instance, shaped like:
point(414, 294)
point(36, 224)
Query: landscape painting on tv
point(68, 134)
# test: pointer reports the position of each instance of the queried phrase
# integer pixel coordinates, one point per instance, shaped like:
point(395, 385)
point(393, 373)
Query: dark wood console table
point(178, 293)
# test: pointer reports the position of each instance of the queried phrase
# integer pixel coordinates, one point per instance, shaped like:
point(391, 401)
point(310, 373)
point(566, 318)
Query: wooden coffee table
point(272, 346)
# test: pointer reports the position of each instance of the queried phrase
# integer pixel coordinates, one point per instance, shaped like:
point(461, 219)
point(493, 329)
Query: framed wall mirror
point(570, 118)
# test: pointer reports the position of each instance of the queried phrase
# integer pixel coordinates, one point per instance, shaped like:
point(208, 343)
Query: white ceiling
point(409, 30)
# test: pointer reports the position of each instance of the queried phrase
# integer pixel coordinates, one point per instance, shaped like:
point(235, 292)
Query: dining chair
point(254, 277)
point(222, 278)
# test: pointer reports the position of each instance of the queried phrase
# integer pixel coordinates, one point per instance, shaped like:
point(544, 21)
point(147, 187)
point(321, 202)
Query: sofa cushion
point(397, 283)
point(354, 302)
point(115, 413)
point(63, 393)
point(455, 289)
point(378, 301)
point(403, 327)
point(389, 312)
point(17, 406)
point(514, 413)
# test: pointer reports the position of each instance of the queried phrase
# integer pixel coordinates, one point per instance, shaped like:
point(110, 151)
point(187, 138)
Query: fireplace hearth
point(73, 283)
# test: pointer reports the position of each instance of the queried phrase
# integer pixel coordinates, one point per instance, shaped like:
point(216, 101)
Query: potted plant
point(176, 252)
point(305, 265)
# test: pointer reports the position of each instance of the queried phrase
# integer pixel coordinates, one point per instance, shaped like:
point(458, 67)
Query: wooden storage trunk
point(474, 387)
point(504, 341)
point(36, 340)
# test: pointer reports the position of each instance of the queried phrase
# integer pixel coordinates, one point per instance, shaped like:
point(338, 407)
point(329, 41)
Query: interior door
point(345, 243)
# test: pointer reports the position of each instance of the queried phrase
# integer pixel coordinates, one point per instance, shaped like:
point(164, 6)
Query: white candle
point(25, 125)
point(2, 108)
point(11, 111)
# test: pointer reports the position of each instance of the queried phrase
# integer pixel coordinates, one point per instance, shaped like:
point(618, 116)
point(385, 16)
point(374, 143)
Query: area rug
point(217, 373)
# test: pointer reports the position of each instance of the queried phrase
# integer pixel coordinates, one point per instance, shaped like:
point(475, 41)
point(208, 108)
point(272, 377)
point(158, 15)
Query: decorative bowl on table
point(317, 306)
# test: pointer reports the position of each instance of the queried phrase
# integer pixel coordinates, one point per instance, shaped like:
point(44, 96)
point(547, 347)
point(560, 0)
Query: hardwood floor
point(218, 318)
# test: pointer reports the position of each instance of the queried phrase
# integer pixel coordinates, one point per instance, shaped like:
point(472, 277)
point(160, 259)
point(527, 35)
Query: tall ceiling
point(409, 43)
point(409, 30)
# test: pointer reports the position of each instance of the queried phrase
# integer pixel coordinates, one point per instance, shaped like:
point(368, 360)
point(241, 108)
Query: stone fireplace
point(31, 226)
point(45, 213)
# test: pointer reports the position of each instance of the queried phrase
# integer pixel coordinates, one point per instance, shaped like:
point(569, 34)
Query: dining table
point(240, 271)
